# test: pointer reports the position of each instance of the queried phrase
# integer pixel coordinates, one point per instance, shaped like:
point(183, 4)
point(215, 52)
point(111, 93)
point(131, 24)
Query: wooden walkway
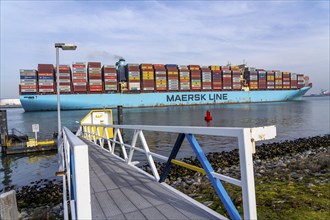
point(120, 191)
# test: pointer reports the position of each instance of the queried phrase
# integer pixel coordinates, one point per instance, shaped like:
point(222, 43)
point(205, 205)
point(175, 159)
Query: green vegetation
point(277, 199)
point(292, 180)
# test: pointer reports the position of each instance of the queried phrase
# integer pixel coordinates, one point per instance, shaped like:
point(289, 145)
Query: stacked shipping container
point(286, 78)
point(226, 78)
point(270, 80)
point(206, 78)
point(110, 78)
point(278, 79)
point(236, 78)
point(195, 77)
point(293, 81)
point(46, 78)
point(134, 79)
point(262, 79)
point(301, 81)
point(28, 81)
point(94, 72)
point(155, 77)
point(184, 76)
point(160, 77)
point(251, 76)
point(148, 78)
point(216, 77)
point(172, 77)
point(64, 78)
point(79, 79)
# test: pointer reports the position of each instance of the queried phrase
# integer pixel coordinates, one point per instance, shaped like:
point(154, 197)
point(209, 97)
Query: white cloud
point(292, 35)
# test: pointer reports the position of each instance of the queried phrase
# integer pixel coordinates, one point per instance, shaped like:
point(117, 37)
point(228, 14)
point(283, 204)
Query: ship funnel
point(120, 65)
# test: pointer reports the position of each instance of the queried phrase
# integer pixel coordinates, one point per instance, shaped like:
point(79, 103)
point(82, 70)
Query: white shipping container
point(46, 90)
point(109, 66)
point(293, 76)
point(94, 69)
point(46, 83)
point(134, 85)
point(110, 86)
point(207, 87)
point(95, 81)
point(110, 74)
point(64, 81)
point(64, 74)
point(28, 80)
point(110, 80)
point(79, 84)
point(28, 90)
point(79, 77)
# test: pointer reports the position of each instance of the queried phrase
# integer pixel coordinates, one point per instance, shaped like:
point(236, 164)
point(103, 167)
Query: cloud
point(275, 34)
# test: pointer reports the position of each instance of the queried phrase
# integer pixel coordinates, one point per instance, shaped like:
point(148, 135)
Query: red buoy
point(208, 116)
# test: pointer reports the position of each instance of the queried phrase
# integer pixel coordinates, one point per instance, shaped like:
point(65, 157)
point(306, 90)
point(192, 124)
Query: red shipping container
point(94, 64)
point(45, 87)
point(79, 80)
point(110, 77)
point(79, 88)
point(45, 74)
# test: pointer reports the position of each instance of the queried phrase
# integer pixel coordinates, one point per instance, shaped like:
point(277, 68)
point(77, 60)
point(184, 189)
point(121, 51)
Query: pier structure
point(103, 181)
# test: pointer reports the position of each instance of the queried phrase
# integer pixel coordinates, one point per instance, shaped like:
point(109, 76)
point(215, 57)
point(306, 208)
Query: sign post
point(35, 129)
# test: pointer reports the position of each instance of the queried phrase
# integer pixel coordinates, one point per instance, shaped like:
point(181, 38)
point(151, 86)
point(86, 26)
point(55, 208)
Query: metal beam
point(172, 156)
point(221, 191)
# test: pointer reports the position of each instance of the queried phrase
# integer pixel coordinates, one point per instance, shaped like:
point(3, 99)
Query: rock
point(23, 215)
point(257, 162)
point(309, 185)
point(208, 203)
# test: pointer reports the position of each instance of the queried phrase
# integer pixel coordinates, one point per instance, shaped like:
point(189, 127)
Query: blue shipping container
point(28, 77)
point(46, 77)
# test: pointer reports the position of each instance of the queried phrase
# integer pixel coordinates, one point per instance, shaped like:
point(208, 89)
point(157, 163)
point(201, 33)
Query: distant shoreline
point(10, 106)
point(325, 94)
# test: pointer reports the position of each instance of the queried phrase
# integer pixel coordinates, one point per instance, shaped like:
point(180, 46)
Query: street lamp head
point(66, 46)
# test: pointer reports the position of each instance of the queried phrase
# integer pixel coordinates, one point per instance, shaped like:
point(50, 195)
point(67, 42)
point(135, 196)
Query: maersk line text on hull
point(196, 97)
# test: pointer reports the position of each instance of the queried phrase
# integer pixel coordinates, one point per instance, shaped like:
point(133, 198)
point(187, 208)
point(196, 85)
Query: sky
point(283, 35)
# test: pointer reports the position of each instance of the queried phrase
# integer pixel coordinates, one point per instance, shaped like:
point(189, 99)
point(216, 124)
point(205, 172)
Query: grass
point(308, 199)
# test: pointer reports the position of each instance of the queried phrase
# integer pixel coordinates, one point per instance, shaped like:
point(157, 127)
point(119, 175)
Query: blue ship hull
point(95, 101)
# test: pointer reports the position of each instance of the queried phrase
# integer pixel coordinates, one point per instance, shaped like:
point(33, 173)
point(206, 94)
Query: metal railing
point(246, 141)
point(74, 169)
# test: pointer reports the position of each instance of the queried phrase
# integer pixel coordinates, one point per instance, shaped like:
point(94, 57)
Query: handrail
point(246, 141)
point(74, 167)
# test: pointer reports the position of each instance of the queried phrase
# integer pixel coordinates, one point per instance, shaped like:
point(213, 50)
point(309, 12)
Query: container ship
point(89, 85)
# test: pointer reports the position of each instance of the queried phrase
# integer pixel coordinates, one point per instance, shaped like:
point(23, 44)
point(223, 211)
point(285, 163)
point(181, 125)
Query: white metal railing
point(246, 141)
point(74, 167)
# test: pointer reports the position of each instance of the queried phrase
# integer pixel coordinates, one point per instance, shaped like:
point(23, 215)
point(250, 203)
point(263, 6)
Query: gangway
point(87, 159)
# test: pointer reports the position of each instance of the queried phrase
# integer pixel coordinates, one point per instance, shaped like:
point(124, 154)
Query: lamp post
point(63, 46)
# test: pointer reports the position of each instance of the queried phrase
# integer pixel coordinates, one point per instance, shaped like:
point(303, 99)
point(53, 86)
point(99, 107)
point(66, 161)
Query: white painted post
point(247, 175)
point(8, 205)
point(82, 182)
